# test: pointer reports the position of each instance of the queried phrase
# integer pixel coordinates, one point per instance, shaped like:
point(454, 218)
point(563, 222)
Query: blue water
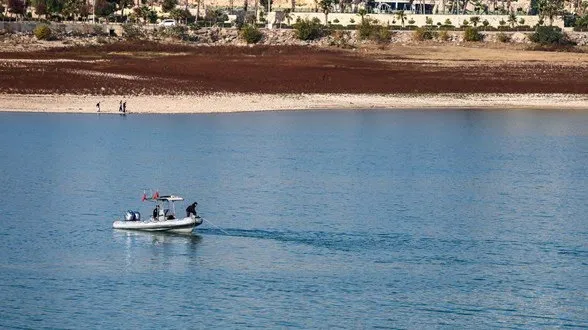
point(335, 219)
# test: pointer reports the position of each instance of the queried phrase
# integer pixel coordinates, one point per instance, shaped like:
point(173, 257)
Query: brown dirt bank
point(145, 68)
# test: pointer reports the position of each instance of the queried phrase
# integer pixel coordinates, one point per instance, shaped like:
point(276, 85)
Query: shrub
point(447, 27)
point(475, 20)
point(503, 37)
point(42, 32)
point(370, 29)
point(444, 35)
point(341, 39)
point(423, 33)
point(549, 35)
point(383, 35)
point(98, 30)
point(179, 32)
point(472, 34)
point(308, 29)
point(132, 32)
point(581, 23)
point(251, 34)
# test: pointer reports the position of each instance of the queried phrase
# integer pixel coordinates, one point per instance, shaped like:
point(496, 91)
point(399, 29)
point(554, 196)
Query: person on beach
point(98, 106)
point(120, 107)
point(124, 107)
point(191, 209)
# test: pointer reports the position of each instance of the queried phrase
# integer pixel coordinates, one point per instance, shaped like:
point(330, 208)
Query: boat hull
point(185, 225)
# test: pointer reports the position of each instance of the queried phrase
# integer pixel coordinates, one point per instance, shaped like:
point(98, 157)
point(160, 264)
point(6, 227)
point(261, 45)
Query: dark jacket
point(191, 208)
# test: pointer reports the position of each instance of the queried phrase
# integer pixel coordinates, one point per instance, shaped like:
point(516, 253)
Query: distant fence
point(68, 28)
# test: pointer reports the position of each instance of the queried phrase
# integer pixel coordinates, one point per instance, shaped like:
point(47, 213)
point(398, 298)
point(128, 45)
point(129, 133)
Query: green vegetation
point(475, 20)
point(472, 34)
point(503, 37)
point(179, 32)
point(325, 6)
point(370, 29)
point(168, 5)
point(309, 29)
point(401, 17)
point(42, 32)
point(423, 33)
point(550, 35)
point(251, 34)
point(444, 35)
point(581, 23)
point(132, 32)
point(485, 23)
point(512, 19)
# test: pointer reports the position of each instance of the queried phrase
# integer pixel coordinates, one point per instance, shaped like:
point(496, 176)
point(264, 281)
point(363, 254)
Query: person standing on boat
point(191, 209)
point(156, 212)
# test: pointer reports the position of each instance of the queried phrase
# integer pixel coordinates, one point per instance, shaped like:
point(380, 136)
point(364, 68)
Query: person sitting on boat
point(191, 209)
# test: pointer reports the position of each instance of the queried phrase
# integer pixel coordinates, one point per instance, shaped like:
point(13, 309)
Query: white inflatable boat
point(163, 220)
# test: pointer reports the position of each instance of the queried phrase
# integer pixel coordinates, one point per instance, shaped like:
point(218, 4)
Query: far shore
point(235, 102)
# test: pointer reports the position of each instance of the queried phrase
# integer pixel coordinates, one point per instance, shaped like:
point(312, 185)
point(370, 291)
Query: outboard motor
point(129, 215)
point(132, 216)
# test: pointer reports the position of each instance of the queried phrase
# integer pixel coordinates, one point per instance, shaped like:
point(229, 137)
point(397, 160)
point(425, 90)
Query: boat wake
point(329, 240)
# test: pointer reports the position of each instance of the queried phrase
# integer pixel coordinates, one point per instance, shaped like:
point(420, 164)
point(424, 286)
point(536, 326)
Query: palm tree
point(362, 12)
point(464, 7)
point(197, 11)
point(288, 16)
point(401, 16)
point(293, 7)
point(512, 19)
point(326, 8)
point(475, 20)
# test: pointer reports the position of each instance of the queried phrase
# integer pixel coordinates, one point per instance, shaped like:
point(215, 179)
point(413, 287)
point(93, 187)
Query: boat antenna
point(224, 232)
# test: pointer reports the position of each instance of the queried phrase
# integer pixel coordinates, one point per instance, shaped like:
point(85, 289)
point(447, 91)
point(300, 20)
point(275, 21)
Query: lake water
point(330, 219)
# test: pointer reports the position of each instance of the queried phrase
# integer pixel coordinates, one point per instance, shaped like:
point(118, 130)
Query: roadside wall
point(72, 28)
point(420, 20)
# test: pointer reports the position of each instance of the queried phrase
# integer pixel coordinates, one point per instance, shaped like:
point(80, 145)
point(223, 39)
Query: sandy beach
point(234, 102)
point(162, 78)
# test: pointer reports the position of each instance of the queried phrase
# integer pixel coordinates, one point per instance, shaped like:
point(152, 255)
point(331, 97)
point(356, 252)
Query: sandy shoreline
point(222, 103)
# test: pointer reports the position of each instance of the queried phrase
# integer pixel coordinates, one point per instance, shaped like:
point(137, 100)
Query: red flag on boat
point(156, 195)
